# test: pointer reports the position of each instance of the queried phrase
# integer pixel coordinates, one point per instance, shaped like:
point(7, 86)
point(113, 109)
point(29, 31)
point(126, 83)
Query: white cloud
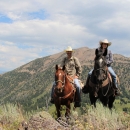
point(12, 56)
point(39, 28)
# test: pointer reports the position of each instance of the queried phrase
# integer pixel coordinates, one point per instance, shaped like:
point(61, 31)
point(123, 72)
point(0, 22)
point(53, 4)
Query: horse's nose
point(100, 78)
point(59, 90)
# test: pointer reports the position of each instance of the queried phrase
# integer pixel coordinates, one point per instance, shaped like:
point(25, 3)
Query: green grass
point(98, 118)
point(11, 116)
point(120, 105)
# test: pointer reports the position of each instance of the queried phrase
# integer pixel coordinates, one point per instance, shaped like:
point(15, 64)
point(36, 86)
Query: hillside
point(31, 83)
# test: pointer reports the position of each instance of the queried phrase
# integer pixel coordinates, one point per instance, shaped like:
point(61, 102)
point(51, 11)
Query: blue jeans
point(76, 82)
point(111, 71)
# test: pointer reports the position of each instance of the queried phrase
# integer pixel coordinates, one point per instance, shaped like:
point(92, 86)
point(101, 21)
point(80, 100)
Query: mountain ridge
point(30, 84)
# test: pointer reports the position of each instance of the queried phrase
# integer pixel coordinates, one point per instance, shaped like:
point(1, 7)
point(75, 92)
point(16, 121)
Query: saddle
point(76, 91)
point(105, 82)
point(72, 82)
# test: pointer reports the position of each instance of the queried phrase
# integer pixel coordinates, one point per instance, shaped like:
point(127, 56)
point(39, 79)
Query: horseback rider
point(73, 69)
point(103, 50)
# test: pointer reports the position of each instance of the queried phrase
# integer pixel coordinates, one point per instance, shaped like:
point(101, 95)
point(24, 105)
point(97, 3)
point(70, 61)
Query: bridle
point(104, 71)
point(100, 69)
point(63, 82)
point(103, 68)
point(63, 86)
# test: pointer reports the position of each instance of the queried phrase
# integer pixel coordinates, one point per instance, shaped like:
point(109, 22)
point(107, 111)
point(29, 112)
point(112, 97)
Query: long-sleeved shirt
point(72, 66)
point(107, 54)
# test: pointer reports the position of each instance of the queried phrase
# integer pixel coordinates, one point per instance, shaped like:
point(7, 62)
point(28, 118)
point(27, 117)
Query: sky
point(31, 29)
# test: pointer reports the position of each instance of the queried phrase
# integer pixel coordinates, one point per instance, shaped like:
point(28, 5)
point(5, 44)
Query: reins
point(107, 89)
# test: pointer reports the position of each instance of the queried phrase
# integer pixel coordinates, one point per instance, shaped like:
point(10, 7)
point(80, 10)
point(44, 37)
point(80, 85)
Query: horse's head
point(100, 69)
point(59, 79)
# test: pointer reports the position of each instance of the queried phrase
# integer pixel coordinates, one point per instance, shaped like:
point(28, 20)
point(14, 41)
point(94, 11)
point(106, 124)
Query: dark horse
point(64, 92)
point(100, 84)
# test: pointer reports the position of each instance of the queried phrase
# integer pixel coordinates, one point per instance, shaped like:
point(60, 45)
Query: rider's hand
point(76, 77)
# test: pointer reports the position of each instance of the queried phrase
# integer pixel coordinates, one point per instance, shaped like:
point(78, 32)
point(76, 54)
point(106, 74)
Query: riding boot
point(117, 91)
point(86, 87)
point(77, 98)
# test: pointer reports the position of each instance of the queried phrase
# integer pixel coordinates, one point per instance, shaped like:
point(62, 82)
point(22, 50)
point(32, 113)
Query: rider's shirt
point(107, 54)
point(72, 66)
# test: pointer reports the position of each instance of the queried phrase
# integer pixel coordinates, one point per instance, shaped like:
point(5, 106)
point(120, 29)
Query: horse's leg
point(58, 110)
point(67, 113)
point(104, 101)
point(92, 100)
point(111, 100)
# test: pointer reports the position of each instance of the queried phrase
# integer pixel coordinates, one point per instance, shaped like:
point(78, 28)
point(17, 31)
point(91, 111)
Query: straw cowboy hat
point(69, 48)
point(105, 41)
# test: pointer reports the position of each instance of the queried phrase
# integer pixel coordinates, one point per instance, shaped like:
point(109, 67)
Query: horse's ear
point(56, 67)
point(63, 68)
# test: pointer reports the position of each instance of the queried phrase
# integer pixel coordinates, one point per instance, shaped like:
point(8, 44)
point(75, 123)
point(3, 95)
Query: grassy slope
point(100, 118)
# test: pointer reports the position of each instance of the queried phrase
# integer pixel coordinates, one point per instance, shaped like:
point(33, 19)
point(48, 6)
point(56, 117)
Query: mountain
point(31, 83)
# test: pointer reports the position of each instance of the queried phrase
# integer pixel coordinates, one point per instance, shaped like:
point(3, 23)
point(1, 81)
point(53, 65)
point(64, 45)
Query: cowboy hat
point(105, 41)
point(69, 48)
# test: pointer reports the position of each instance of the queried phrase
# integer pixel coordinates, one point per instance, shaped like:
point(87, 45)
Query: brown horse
point(64, 92)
